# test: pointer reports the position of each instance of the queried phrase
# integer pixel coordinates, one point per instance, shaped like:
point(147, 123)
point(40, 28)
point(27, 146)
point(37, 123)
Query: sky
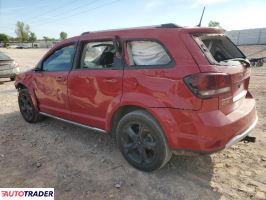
point(50, 17)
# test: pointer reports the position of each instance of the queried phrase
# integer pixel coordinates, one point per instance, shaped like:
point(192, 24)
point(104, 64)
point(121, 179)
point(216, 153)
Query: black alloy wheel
point(138, 143)
point(142, 141)
point(27, 109)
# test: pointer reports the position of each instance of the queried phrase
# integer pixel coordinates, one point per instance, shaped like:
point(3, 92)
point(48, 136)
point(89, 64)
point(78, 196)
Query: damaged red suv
point(159, 90)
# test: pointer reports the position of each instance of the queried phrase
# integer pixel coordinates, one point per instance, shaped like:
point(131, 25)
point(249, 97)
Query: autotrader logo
point(26, 193)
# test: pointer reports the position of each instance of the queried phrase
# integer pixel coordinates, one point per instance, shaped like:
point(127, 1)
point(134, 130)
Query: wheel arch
point(163, 115)
point(125, 109)
point(119, 113)
point(20, 86)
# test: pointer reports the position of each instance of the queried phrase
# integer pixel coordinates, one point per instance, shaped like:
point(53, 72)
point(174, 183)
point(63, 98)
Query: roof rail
point(85, 33)
point(169, 25)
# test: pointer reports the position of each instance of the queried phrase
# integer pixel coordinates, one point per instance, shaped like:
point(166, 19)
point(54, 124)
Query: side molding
point(74, 123)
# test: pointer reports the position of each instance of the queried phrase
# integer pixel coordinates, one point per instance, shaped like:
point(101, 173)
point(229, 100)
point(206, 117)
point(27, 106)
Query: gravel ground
point(81, 164)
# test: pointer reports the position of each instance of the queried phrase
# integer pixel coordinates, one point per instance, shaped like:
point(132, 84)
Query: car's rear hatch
point(225, 68)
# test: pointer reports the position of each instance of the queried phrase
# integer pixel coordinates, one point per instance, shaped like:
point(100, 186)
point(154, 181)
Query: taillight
point(208, 85)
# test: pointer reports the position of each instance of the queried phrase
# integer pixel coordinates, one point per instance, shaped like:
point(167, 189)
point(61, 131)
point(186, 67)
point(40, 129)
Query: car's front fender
point(24, 80)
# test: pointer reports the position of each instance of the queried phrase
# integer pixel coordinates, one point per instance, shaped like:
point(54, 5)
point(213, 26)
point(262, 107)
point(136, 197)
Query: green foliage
point(22, 31)
point(4, 39)
point(32, 38)
point(46, 39)
point(214, 24)
point(63, 35)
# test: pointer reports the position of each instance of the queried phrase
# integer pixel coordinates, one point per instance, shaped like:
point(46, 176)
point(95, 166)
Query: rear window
point(147, 53)
point(218, 48)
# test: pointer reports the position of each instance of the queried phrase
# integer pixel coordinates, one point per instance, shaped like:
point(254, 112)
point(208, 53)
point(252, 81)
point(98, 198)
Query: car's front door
point(51, 81)
point(96, 83)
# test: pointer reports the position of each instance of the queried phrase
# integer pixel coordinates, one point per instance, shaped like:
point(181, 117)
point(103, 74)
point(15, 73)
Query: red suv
point(158, 89)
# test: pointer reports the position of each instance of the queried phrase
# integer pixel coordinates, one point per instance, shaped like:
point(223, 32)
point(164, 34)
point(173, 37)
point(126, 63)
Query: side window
point(60, 60)
point(97, 55)
point(147, 53)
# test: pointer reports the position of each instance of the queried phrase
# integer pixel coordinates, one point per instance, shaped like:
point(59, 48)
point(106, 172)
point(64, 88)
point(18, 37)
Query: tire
point(142, 141)
point(27, 109)
point(12, 78)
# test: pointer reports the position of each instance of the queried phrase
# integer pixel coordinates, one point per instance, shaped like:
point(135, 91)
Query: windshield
point(4, 56)
point(219, 49)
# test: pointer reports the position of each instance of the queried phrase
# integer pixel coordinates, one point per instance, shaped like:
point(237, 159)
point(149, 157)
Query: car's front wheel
point(27, 109)
point(142, 141)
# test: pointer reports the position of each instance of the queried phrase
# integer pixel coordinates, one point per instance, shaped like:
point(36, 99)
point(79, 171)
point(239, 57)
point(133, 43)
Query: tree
point(22, 31)
point(3, 38)
point(32, 38)
point(46, 39)
point(214, 24)
point(63, 35)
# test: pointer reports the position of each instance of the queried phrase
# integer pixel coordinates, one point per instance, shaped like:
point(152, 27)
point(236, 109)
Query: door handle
point(60, 78)
point(110, 80)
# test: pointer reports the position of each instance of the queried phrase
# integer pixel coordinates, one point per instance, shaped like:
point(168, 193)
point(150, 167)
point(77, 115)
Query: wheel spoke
point(131, 133)
point(140, 129)
point(24, 99)
point(26, 107)
point(29, 107)
point(143, 156)
point(23, 107)
point(149, 145)
point(29, 111)
point(129, 147)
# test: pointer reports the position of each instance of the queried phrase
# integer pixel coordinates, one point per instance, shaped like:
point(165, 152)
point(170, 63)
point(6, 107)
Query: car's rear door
point(95, 85)
point(51, 81)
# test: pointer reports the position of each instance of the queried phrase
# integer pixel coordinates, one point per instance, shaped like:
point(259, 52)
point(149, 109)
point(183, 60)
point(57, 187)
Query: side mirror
point(38, 69)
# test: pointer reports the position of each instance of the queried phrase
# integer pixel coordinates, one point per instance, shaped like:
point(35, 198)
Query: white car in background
point(12, 46)
point(8, 67)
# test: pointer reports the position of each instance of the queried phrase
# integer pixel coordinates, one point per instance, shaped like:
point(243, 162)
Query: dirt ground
point(81, 164)
point(254, 51)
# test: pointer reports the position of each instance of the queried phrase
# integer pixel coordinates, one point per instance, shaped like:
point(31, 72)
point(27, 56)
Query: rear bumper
point(207, 132)
point(7, 73)
point(241, 136)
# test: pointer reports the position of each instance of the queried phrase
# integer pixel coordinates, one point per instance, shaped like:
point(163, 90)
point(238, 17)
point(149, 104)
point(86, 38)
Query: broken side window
point(97, 55)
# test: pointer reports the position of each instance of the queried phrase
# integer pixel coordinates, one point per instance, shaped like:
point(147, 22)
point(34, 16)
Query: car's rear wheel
point(142, 141)
point(27, 109)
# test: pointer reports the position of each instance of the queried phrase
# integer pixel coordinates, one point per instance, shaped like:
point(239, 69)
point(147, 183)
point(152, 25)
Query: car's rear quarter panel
point(161, 86)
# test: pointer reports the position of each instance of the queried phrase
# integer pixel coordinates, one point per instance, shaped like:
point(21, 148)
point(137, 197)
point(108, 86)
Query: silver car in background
point(8, 67)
